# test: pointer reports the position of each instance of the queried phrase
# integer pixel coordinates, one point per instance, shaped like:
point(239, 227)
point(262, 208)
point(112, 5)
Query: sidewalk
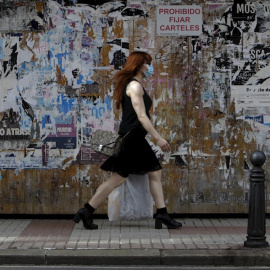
point(214, 241)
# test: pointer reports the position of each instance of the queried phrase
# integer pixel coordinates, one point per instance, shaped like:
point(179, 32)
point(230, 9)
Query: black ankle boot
point(87, 218)
point(166, 220)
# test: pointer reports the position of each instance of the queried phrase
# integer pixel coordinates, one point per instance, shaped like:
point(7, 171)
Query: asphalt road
point(128, 267)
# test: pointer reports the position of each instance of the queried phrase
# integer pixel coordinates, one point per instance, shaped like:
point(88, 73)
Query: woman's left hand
point(163, 144)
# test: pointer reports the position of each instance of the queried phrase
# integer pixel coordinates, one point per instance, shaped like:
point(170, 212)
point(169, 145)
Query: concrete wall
point(210, 94)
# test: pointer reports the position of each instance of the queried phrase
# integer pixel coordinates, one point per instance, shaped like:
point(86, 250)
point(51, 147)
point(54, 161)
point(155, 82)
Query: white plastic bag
point(132, 200)
point(114, 204)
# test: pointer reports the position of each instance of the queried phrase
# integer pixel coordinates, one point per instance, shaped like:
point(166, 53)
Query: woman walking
point(136, 155)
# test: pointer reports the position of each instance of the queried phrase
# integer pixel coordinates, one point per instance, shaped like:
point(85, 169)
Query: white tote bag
point(132, 200)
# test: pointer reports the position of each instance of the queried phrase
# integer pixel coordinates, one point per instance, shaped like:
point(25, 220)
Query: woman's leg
point(86, 213)
point(105, 189)
point(162, 216)
point(156, 188)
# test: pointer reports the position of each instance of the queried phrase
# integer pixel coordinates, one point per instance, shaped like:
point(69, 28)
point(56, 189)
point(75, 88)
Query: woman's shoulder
point(135, 83)
point(135, 87)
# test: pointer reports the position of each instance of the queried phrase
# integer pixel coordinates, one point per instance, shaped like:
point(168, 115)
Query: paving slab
point(201, 241)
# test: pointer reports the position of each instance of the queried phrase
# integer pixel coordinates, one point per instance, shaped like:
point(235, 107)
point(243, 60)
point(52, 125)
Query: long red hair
point(132, 66)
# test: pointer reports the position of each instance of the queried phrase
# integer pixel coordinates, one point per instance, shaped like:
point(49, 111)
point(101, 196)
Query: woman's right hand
point(163, 144)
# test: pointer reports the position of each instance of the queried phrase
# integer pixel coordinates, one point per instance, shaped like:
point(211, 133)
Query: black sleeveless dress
point(136, 155)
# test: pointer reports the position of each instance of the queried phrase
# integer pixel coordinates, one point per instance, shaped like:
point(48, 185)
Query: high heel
point(167, 221)
point(86, 217)
point(158, 224)
point(77, 218)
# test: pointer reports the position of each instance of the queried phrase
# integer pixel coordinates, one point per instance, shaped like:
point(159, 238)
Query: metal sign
point(179, 20)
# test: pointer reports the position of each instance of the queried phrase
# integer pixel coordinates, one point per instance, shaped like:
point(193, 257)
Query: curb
point(248, 257)
point(245, 257)
point(22, 256)
point(103, 257)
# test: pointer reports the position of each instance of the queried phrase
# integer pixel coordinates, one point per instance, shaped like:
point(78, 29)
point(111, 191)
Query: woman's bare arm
point(135, 92)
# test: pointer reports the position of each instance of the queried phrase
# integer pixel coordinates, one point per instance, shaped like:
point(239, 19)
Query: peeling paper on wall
point(83, 176)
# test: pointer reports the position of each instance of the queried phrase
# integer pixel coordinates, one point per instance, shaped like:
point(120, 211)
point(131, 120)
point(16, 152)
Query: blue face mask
point(150, 71)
